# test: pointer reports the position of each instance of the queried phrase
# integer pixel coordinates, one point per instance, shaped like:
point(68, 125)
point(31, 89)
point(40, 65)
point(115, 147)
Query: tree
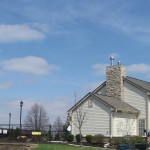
point(65, 131)
point(79, 118)
point(58, 125)
point(14, 133)
point(37, 117)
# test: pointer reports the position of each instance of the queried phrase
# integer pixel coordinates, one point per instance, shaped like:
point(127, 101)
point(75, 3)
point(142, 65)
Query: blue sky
point(51, 49)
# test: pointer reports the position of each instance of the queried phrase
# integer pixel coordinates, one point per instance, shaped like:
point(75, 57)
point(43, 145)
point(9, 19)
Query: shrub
point(49, 136)
point(22, 138)
point(78, 139)
point(17, 132)
point(117, 140)
point(141, 146)
point(70, 137)
point(134, 139)
point(64, 136)
point(60, 136)
point(98, 138)
point(128, 139)
point(36, 138)
point(12, 134)
point(88, 138)
point(139, 139)
point(57, 137)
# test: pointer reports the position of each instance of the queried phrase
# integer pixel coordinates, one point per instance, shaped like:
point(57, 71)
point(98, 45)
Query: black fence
point(50, 132)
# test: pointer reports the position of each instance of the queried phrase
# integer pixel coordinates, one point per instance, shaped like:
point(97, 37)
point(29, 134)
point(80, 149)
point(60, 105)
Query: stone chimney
point(114, 80)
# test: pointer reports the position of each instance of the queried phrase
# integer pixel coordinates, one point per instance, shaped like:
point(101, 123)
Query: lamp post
point(21, 104)
point(9, 120)
point(50, 133)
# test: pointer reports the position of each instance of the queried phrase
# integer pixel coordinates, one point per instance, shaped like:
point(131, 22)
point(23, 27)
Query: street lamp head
point(21, 103)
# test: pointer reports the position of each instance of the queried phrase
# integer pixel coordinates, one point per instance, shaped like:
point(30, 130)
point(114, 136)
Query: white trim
point(148, 112)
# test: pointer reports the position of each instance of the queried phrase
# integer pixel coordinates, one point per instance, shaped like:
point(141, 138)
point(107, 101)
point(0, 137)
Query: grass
point(63, 147)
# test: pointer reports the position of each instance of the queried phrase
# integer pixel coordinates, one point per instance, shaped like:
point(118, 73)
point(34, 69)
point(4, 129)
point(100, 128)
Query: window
point(141, 127)
point(90, 103)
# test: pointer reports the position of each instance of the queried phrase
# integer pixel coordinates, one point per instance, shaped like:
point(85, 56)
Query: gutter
point(111, 121)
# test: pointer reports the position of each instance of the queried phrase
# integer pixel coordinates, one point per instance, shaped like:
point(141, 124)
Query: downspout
point(111, 122)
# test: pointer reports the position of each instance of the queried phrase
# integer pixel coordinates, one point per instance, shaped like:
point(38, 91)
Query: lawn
point(63, 147)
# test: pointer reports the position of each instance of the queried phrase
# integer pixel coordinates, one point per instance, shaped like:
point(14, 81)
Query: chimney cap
point(111, 61)
point(111, 58)
point(119, 63)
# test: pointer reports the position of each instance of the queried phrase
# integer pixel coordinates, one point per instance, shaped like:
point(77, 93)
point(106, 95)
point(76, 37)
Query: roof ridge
point(136, 79)
point(139, 83)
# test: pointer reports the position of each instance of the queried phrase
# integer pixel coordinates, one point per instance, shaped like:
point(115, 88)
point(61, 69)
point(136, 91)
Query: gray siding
point(97, 119)
point(136, 98)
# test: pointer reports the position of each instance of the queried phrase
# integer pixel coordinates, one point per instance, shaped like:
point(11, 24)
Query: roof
point(143, 84)
point(116, 103)
point(137, 82)
point(111, 102)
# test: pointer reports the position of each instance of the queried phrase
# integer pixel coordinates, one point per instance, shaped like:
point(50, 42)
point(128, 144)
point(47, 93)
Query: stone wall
point(114, 81)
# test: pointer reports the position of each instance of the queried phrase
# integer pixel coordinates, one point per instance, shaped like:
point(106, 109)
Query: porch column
point(148, 112)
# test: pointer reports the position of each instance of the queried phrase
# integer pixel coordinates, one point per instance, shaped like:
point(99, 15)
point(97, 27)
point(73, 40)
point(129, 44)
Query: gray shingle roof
point(116, 103)
point(143, 84)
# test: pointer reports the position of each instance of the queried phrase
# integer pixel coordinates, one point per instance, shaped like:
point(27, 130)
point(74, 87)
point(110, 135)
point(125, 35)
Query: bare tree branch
point(79, 118)
point(37, 117)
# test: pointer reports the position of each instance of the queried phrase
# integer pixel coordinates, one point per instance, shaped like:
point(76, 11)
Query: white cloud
point(29, 64)
point(114, 14)
point(139, 68)
point(59, 107)
point(94, 85)
point(140, 32)
point(89, 88)
point(12, 33)
point(56, 107)
point(42, 27)
point(5, 85)
point(99, 69)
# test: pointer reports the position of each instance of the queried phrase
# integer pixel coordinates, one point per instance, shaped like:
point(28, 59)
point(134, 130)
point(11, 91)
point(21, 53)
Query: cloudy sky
point(51, 49)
